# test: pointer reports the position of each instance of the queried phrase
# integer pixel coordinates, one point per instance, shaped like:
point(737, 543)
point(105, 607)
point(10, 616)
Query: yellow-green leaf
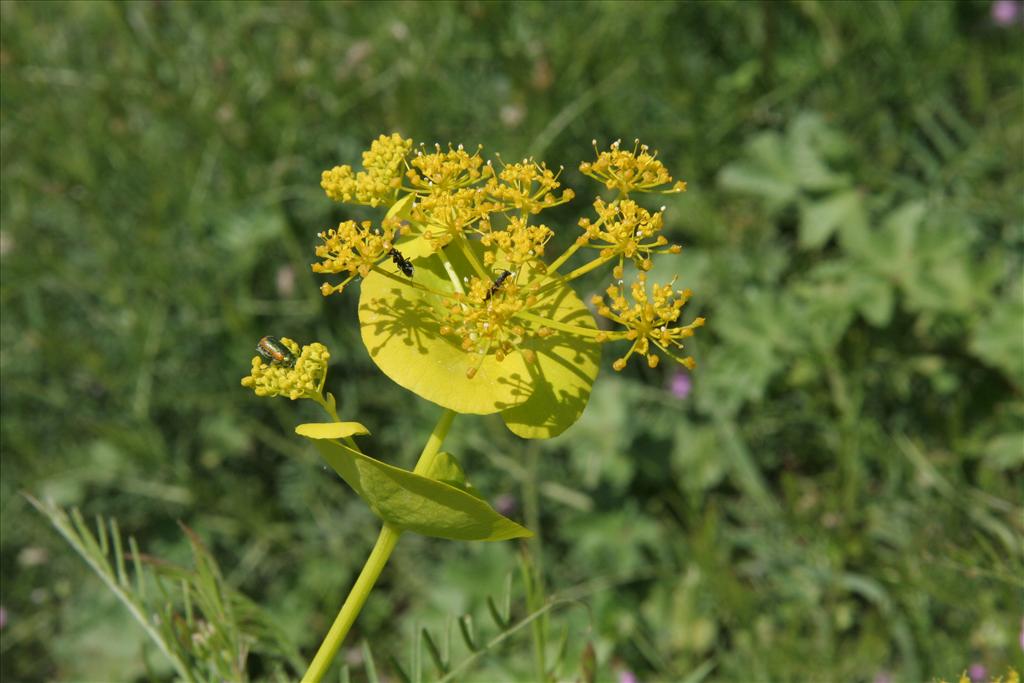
point(331, 430)
point(567, 365)
point(400, 209)
point(447, 469)
point(400, 327)
point(411, 502)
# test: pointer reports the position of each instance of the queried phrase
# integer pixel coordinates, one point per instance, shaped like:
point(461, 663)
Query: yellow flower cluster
point(636, 171)
point(483, 318)
point(627, 230)
point(447, 203)
point(452, 201)
point(456, 192)
point(649, 319)
point(379, 182)
point(526, 186)
point(304, 380)
point(519, 242)
point(443, 172)
point(445, 215)
point(456, 199)
point(353, 248)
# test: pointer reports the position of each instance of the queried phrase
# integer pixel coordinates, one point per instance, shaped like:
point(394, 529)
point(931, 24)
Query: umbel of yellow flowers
point(445, 200)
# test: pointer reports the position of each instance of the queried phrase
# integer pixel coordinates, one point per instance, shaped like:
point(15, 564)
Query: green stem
point(433, 445)
point(375, 562)
point(452, 275)
point(574, 247)
point(565, 327)
point(467, 250)
point(558, 262)
point(353, 604)
point(582, 270)
point(586, 268)
point(328, 405)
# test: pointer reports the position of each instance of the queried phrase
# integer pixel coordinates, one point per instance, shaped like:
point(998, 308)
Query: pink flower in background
point(285, 281)
point(882, 677)
point(680, 384)
point(506, 504)
point(3, 617)
point(1007, 12)
point(627, 676)
point(977, 672)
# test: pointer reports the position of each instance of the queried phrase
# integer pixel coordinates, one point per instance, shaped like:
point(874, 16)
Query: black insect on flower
point(505, 274)
point(404, 264)
point(274, 351)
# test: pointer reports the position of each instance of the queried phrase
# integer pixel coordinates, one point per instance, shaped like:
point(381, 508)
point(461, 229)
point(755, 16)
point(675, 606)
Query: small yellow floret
point(483, 320)
point(636, 171)
point(649, 319)
point(440, 172)
point(627, 230)
point(354, 248)
point(520, 243)
point(528, 187)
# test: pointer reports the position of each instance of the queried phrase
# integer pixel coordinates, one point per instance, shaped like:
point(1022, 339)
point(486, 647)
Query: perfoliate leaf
point(411, 502)
point(401, 325)
point(401, 328)
point(566, 368)
point(411, 243)
point(400, 209)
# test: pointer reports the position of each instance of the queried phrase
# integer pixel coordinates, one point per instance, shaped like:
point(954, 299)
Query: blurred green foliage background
point(838, 496)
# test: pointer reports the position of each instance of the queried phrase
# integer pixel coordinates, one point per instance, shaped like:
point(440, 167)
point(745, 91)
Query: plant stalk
point(353, 604)
point(374, 563)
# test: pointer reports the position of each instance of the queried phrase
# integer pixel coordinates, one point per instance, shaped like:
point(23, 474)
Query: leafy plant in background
point(204, 629)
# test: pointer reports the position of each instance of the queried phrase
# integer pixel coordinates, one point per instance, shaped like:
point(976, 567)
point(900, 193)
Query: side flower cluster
point(378, 183)
point(303, 380)
point(649, 319)
point(354, 248)
point(626, 230)
point(519, 242)
point(636, 171)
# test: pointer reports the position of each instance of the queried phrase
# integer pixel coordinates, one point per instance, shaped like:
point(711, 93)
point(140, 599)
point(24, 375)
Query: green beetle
point(274, 351)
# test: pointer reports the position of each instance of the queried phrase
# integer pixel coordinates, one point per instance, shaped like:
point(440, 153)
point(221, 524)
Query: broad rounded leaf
point(411, 502)
point(331, 430)
point(567, 365)
point(400, 327)
point(411, 243)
